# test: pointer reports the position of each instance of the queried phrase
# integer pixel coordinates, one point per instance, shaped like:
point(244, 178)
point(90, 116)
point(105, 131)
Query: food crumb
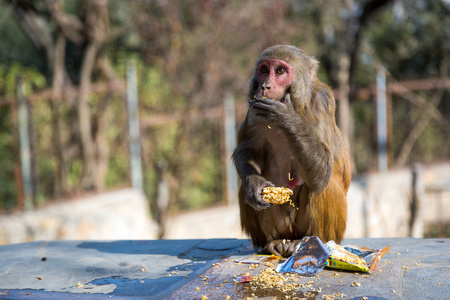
point(204, 297)
point(356, 284)
point(334, 296)
point(79, 285)
point(197, 289)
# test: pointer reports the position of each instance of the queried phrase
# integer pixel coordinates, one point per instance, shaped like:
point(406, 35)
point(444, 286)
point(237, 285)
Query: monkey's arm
point(310, 137)
point(248, 162)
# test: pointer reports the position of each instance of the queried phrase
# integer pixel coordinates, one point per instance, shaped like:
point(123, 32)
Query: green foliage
point(16, 46)
point(201, 184)
point(409, 39)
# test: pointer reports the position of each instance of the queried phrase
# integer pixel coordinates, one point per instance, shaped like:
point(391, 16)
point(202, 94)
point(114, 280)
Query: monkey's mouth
point(264, 95)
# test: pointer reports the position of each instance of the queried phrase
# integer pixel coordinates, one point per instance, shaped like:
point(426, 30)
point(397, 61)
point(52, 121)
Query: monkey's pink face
point(274, 77)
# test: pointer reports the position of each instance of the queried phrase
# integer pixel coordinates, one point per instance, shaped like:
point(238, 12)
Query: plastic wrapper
point(353, 258)
point(309, 258)
point(256, 258)
point(245, 278)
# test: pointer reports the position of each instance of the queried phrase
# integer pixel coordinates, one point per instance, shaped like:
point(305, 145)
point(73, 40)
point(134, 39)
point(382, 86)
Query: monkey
point(289, 138)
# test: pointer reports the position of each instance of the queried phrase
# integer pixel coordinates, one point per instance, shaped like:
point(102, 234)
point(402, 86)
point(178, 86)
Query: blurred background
point(117, 118)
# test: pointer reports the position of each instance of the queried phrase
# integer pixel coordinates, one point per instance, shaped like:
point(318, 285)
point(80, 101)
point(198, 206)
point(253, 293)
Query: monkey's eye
point(264, 69)
point(281, 70)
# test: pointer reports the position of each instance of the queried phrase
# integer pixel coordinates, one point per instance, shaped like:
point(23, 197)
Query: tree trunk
point(96, 26)
point(57, 128)
point(84, 118)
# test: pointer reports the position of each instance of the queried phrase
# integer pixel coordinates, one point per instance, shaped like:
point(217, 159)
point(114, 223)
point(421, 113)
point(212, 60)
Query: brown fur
point(296, 135)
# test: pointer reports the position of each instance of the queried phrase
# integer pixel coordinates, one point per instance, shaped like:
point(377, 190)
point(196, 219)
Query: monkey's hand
point(276, 112)
point(254, 184)
point(283, 248)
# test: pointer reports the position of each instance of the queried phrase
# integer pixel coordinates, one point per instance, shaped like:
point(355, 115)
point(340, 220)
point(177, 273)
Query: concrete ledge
point(171, 269)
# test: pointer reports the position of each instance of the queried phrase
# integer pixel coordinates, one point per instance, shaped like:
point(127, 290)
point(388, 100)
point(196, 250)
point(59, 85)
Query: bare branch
point(70, 25)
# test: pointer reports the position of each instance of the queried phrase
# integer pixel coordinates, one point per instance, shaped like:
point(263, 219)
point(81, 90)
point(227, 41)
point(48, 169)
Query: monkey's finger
point(276, 253)
point(292, 246)
point(262, 206)
point(257, 203)
point(263, 101)
point(263, 107)
point(261, 113)
point(270, 105)
point(271, 248)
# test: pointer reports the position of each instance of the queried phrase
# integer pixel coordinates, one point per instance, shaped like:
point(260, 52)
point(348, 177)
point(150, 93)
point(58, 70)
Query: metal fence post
point(25, 148)
point(381, 120)
point(133, 122)
point(230, 145)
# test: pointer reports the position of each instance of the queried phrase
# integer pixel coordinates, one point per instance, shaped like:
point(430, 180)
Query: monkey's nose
point(265, 86)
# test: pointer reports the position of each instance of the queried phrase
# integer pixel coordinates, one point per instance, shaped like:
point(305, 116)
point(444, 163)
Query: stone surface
point(190, 269)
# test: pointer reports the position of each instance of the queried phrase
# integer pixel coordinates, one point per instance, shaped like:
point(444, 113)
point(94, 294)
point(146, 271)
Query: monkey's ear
point(313, 67)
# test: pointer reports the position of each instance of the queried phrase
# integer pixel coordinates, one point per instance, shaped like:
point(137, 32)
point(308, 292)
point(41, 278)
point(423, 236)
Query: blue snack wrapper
point(309, 258)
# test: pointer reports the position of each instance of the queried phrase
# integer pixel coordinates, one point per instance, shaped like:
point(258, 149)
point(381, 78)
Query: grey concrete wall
point(121, 214)
point(378, 206)
point(379, 203)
